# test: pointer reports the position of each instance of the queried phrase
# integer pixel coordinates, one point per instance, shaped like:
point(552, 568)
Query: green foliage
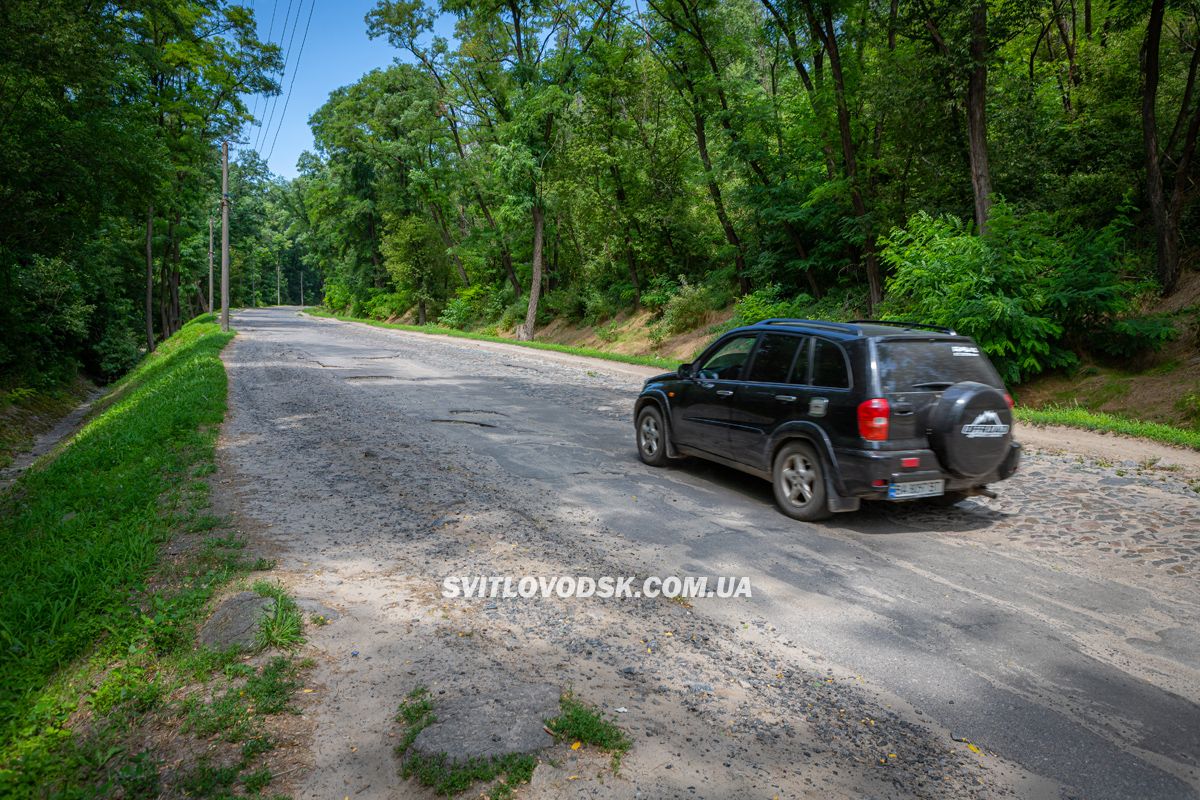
point(581, 722)
point(686, 308)
point(650, 361)
point(337, 297)
point(83, 531)
point(236, 713)
point(387, 305)
point(1025, 291)
point(448, 778)
point(767, 303)
point(1129, 337)
point(283, 626)
point(466, 308)
point(1075, 417)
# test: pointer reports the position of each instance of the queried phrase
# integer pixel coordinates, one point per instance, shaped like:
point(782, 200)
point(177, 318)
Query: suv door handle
point(725, 392)
point(903, 409)
point(786, 398)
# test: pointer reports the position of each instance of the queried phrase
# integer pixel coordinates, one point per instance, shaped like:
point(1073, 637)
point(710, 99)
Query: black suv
point(832, 413)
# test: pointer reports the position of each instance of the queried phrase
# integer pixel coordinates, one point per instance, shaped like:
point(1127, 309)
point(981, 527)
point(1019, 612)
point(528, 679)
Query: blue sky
point(337, 52)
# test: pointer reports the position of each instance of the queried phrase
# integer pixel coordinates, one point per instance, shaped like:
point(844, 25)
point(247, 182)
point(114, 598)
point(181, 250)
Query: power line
point(274, 101)
point(292, 85)
point(270, 32)
point(268, 102)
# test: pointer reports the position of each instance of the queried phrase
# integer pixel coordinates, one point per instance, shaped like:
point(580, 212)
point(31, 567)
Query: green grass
point(582, 723)
point(96, 631)
point(83, 531)
point(283, 626)
point(448, 778)
point(1075, 417)
point(589, 352)
point(236, 714)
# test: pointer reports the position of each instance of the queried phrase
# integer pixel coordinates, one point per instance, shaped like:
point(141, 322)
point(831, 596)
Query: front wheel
point(651, 437)
point(799, 481)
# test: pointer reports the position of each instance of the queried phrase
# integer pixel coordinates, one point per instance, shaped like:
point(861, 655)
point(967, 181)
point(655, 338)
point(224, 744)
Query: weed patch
point(582, 723)
point(450, 778)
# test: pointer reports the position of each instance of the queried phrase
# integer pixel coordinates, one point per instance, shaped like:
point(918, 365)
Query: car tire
point(798, 477)
point(651, 436)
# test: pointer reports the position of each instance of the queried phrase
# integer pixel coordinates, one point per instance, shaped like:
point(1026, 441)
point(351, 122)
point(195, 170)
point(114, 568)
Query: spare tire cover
point(971, 429)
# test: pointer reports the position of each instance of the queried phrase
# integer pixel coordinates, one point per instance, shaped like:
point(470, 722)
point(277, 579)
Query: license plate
point(904, 491)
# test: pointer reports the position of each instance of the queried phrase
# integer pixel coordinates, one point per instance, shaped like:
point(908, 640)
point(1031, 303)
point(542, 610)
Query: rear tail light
point(873, 419)
point(1008, 399)
point(910, 463)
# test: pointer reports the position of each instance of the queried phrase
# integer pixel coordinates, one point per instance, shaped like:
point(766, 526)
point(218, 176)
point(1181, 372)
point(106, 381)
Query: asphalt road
point(1055, 628)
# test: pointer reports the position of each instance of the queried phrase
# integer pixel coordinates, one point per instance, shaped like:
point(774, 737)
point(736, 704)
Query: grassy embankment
point(97, 625)
point(1066, 415)
point(590, 352)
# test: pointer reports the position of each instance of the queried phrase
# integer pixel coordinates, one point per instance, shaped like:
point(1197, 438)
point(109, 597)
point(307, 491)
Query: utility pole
point(210, 264)
point(225, 236)
point(302, 287)
point(278, 300)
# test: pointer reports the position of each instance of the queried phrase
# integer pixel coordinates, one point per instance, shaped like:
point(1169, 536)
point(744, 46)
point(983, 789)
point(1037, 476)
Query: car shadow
point(878, 518)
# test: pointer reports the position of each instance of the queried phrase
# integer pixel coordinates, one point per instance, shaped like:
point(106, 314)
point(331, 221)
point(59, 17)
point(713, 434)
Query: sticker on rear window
point(987, 425)
point(964, 350)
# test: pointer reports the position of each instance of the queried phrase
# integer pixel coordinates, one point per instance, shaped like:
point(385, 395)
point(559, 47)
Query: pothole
point(477, 411)
point(466, 422)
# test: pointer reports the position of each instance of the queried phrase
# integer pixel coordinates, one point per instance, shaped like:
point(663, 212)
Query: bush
point(465, 309)
point(658, 292)
point(565, 301)
point(338, 297)
point(387, 305)
point(117, 351)
point(1026, 291)
point(1126, 338)
point(686, 308)
point(769, 302)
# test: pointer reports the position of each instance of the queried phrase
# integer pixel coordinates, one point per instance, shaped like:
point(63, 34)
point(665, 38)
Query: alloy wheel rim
point(798, 478)
point(649, 436)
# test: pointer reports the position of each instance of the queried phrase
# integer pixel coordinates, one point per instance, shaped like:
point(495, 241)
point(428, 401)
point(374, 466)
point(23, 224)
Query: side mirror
point(684, 371)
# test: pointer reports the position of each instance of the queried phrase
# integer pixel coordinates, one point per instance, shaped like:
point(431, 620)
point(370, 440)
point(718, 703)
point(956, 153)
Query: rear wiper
point(933, 385)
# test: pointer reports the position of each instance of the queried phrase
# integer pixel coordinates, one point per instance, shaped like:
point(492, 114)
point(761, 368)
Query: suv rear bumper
point(858, 471)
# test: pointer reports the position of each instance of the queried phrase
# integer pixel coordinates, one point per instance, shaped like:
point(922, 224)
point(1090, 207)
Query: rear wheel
point(798, 478)
point(651, 437)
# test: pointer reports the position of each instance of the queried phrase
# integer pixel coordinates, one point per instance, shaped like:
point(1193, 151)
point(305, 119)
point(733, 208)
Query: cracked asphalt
point(1044, 644)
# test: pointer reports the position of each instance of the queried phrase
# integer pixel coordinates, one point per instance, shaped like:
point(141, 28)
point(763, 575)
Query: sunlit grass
point(1076, 417)
point(589, 352)
point(81, 532)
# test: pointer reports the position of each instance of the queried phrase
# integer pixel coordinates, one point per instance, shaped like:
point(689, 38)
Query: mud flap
point(836, 502)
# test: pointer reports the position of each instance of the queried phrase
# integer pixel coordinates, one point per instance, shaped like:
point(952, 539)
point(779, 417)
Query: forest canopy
point(1024, 172)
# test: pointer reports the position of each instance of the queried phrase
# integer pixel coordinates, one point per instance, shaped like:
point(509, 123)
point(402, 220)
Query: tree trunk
point(150, 279)
point(449, 243)
point(630, 255)
point(535, 281)
point(714, 191)
point(981, 179)
point(1166, 224)
point(828, 35)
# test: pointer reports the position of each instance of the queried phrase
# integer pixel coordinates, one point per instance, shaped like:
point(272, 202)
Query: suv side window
point(829, 366)
point(727, 361)
point(773, 358)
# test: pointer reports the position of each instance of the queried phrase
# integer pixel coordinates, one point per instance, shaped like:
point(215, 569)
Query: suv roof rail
point(813, 323)
point(901, 324)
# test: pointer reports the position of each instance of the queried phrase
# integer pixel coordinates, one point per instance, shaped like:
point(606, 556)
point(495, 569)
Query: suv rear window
point(930, 366)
